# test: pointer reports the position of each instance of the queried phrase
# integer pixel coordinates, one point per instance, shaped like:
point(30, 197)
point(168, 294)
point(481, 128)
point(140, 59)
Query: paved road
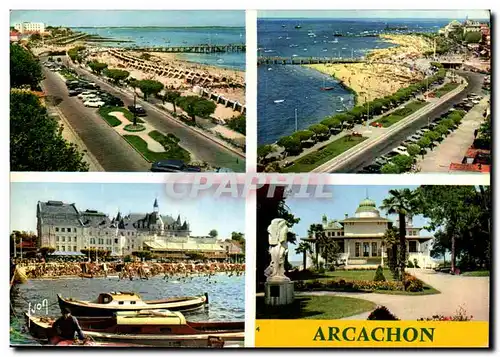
point(202, 148)
point(474, 80)
point(471, 293)
point(105, 144)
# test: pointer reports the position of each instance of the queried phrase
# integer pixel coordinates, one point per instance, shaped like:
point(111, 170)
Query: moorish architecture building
point(66, 229)
point(360, 238)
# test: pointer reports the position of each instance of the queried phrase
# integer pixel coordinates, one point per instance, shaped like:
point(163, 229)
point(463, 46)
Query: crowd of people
point(132, 270)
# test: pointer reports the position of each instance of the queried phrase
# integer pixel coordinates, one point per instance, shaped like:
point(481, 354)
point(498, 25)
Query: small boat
point(268, 51)
point(327, 88)
point(283, 26)
point(269, 69)
point(159, 328)
point(295, 56)
point(325, 50)
point(109, 303)
point(339, 110)
point(293, 46)
point(288, 38)
point(279, 101)
point(279, 38)
point(298, 26)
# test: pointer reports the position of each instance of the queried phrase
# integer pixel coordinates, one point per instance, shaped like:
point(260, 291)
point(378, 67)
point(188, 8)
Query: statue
point(278, 249)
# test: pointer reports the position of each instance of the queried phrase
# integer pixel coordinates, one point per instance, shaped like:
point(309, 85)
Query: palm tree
point(389, 240)
point(304, 248)
point(316, 232)
point(403, 203)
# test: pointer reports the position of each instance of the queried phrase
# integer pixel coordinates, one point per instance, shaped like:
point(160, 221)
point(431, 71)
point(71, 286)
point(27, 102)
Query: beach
point(385, 71)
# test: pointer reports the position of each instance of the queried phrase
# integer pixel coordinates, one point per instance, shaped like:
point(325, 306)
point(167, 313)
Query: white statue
point(278, 249)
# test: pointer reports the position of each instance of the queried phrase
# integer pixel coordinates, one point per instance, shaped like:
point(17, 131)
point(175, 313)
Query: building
point(472, 26)
point(15, 36)
point(65, 228)
point(30, 27)
point(450, 28)
point(360, 238)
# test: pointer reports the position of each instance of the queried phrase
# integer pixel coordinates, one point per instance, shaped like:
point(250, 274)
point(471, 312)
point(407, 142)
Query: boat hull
point(79, 308)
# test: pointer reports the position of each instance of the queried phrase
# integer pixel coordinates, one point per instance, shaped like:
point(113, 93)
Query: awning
point(67, 254)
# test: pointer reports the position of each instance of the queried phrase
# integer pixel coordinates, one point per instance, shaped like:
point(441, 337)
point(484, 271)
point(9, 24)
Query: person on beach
point(65, 328)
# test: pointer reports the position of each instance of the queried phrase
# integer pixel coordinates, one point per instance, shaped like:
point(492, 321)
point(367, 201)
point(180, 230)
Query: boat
point(279, 101)
point(107, 304)
point(269, 69)
point(327, 88)
point(298, 26)
point(159, 328)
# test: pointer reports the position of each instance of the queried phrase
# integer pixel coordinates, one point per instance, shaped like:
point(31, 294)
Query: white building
point(360, 238)
point(30, 27)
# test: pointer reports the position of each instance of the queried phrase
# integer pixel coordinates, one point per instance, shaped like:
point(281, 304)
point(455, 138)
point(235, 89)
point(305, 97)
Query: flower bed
point(460, 315)
point(132, 128)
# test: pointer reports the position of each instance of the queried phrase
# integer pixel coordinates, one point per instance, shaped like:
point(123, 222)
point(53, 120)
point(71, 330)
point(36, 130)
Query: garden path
point(153, 145)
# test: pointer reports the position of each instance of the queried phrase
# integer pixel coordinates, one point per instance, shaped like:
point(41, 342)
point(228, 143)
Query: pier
point(193, 49)
point(305, 60)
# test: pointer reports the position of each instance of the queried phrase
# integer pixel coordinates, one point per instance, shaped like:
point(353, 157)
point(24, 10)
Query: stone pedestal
point(279, 293)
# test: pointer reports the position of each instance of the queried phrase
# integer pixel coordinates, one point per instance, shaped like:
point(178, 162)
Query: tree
point(116, 75)
point(239, 238)
point(291, 144)
point(97, 67)
point(44, 251)
point(36, 142)
point(143, 254)
point(379, 274)
point(463, 215)
point(413, 149)
point(441, 129)
point(25, 70)
point(303, 135)
point(195, 256)
point(432, 135)
point(321, 131)
point(36, 37)
point(213, 233)
point(264, 150)
point(473, 37)
point(331, 122)
point(330, 250)
point(403, 162)
point(390, 168)
point(172, 97)
point(403, 203)
point(424, 142)
point(390, 242)
point(317, 234)
point(149, 87)
point(195, 106)
point(238, 124)
point(304, 248)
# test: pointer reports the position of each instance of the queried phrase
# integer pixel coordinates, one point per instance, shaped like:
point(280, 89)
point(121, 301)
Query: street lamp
point(135, 109)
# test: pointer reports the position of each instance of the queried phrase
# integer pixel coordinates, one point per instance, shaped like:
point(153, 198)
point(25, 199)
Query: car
point(391, 154)
point(137, 109)
point(371, 169)
point(94, 103)
point(223, 169)
point(73, 92)
point(113, 101)
point(169, 166)
point(399, 150)
point(424, 130)
point(85, 94)
point(381, 161)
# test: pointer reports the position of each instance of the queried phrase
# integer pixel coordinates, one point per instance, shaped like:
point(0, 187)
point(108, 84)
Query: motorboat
point(107, 304)
point(159, 328)
point(279, 101)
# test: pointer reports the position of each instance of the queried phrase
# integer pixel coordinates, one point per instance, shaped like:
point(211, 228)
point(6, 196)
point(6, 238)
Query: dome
point(367, 208)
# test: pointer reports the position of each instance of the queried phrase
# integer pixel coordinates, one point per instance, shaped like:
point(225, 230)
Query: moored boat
point(160, 328)
point(107, 304)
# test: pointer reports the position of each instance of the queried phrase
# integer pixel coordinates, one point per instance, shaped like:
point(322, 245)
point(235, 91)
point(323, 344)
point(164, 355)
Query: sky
point(204, 213)
point(380, 14)
point(137, 18)
point(345, 199)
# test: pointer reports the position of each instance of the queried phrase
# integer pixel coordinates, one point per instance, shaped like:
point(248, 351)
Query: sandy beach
point(384, 72)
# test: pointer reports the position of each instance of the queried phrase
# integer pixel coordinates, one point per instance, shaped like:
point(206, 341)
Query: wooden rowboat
point(109, 303)
point(149, 328)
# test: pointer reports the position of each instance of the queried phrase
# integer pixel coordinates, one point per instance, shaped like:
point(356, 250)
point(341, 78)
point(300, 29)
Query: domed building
point(360, 237)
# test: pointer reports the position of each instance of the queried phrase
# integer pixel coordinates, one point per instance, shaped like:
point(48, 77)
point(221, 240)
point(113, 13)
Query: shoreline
point(364, 73)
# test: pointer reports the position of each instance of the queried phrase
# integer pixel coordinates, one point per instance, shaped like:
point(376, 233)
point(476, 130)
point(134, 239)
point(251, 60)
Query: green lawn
point(315, 307)
point(324, 154)
point(402, 113)
point(104, 112)
point(448, 87)
point(170, 143)
point(428, 290)
point(69, 76)
point(476, 273)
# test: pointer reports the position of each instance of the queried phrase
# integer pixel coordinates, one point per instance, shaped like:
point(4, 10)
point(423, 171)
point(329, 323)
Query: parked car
point(371, 169)
point(84, 95)
point(138, 110)
point(94, 103)
point(169, 166)
point(401, 150)
point(381, 161)
point(113, 101)
point(73, 92)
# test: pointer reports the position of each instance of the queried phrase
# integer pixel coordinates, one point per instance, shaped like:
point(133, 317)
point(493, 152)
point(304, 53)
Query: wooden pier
point(193, 49)
point(304, 60)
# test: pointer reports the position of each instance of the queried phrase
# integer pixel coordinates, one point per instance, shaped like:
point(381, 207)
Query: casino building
point(360, 238)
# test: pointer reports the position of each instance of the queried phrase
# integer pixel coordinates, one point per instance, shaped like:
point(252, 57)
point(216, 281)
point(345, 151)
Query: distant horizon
point(372, 18)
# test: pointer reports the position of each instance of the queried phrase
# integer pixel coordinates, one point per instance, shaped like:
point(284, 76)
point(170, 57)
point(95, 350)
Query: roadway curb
point(242, 155)
point(356, 151)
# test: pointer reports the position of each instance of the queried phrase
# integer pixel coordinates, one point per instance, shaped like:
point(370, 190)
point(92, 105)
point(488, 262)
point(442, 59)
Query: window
point(63, 248)
point(74, 239)
point(68, 230)
point(59, 248)
point(62, 229)
point(108, 241)
point(366, 249)
point(374, 249)
point(92, 240)
point(116, 240)
point(74, 248)
point(64, 239)
point(128, 233)
point(106, 232)
point(74, 230)
point(57, 238)
point(412, 246)
point(57, 229)
point(338, 234)
point(357, 248)
point(101, 240)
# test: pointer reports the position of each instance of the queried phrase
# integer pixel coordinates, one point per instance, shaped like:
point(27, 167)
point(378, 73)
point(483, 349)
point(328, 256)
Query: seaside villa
point(360, 239)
